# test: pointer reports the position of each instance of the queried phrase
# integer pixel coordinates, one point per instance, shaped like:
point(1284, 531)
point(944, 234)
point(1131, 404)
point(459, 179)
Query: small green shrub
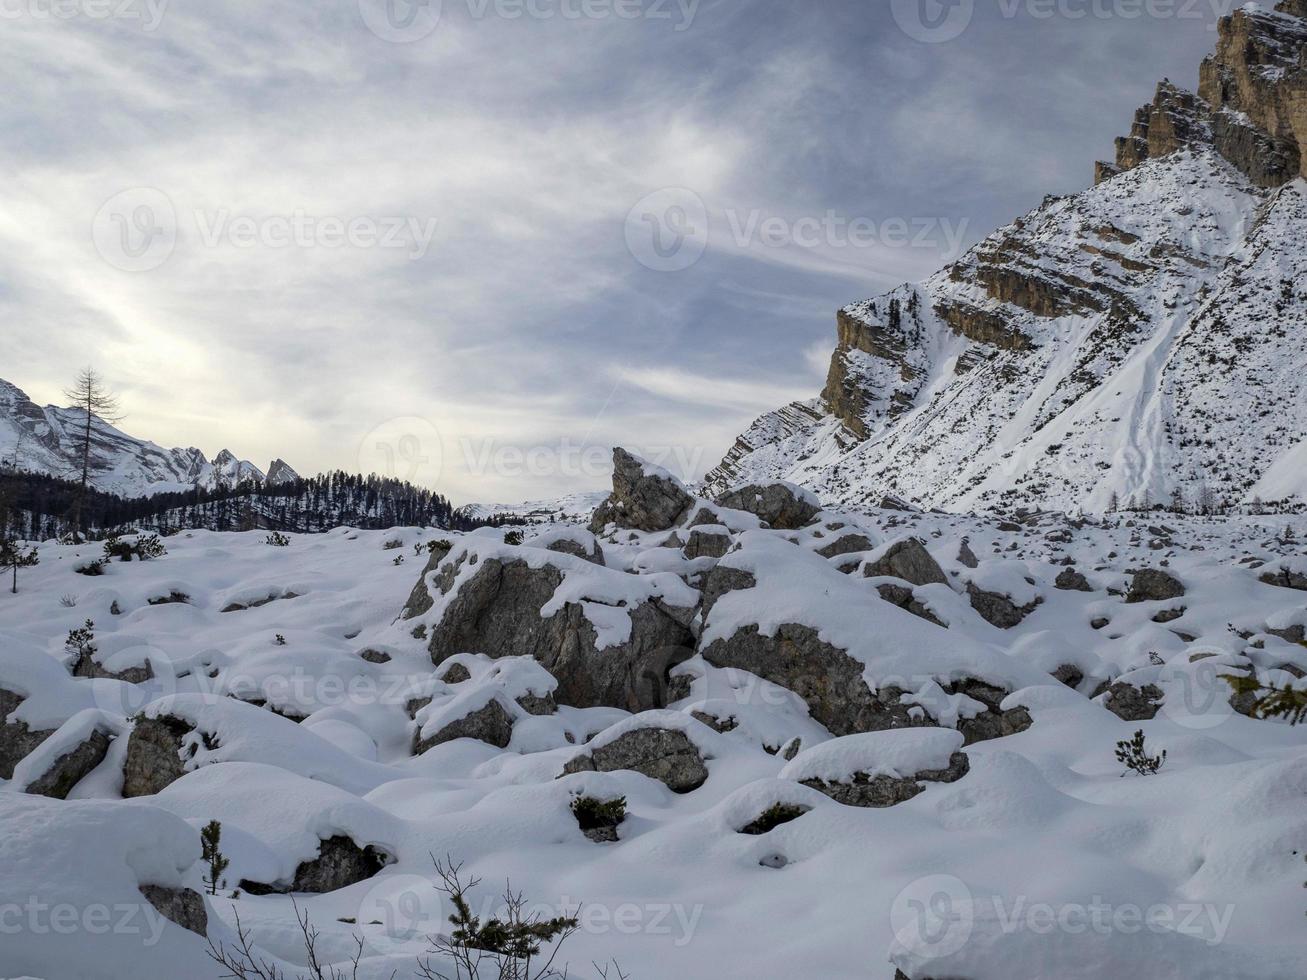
point(594, 814)
point(277, 540)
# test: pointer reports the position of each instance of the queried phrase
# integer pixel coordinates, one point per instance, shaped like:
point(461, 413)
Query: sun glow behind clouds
point(521, 319)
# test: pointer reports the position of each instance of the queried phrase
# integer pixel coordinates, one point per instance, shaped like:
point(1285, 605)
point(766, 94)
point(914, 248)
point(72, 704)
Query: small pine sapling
point(1132, 754)
point(211, 841)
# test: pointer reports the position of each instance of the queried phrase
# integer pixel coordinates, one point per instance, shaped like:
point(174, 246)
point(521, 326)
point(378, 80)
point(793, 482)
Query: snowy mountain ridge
point(48, 440)
point(1141, 342)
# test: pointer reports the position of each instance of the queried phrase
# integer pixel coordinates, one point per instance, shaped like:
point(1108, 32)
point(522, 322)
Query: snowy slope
point(1145, 340)
point(1041, 824)
point(48, 440)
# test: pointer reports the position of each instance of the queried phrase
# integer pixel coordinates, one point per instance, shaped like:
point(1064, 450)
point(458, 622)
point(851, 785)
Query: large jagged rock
point(667, 756)
point(340, 863)
point(884, 791)
point(909, 560)
point(180, 906)
point(154, 755)
point(644, 498)
point(497, 612)
point(1153, 584)
point(17, 741)
point(826, 677)
point(781, 506)
point(491, 724)
point(71, 767)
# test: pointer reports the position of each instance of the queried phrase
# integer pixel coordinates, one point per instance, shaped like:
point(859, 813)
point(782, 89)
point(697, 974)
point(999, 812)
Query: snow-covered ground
point(1040, 861)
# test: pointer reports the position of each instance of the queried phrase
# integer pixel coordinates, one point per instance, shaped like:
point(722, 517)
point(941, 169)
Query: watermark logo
point(37, 918)
point(399, 914)
point(670, 229)
point(136, 229)
point(149, 13)
point(401, 21)
point(139, 229)
point(932, 917)
point(1197, 695)
point(933, 21)
point(407, 448)
point(667, 231)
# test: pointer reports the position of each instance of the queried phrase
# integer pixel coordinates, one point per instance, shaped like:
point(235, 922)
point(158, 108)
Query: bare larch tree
point(90, 395)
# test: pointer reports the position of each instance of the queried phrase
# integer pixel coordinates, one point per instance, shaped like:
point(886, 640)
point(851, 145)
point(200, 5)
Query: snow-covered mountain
point(48, 440)
point(1142, 341)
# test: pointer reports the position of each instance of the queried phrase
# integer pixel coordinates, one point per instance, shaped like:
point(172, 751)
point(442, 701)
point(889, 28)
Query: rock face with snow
point(782, 506)
point(644, 497)
point(1144, 339)
point(48, 440)
point(667, 756)
point(608, 637)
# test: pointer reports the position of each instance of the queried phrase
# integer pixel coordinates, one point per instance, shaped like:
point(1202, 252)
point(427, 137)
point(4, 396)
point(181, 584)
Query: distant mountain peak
point(1144, 341)
point(47, 440)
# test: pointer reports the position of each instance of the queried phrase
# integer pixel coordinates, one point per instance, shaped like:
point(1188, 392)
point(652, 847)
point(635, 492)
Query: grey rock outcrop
point(998, 610)
point(154, 755)
point(667, 756)
point(17, 741)
point(909, 560)
point(497, 612)
point(420, 599)
point(886, 791)
point(707, 544)
point(340, 863)
point(775, 503)
point(1152, 585)
point(1070, 580)
point(180, 906)
point(1285, 578)
point(1131, 703)
point(491, 724)
point(640, 500)
point(71, 767)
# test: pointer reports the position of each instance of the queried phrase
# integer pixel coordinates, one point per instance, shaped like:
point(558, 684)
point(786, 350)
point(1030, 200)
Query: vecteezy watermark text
point(139, 229)
point(149, 13)
point(407, 21)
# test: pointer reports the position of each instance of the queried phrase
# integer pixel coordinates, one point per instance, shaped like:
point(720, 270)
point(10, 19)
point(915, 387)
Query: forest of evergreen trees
point(40, 506)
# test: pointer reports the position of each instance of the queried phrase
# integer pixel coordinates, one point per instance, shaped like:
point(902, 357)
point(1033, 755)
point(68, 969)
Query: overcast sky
point(462, 248)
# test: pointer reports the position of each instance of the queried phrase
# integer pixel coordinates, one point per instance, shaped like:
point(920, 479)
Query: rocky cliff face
point(1251, 105)
point(48, 440)
point(1143, 340)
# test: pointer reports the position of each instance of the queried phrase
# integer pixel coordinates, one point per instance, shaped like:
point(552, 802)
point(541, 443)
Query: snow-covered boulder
point(609, 638)
point(788, 616)
point(645, 497)
point(1153, 584)
point(68, 756)
point(906, 559)
point(568, 540)
point(782, 506)
point(658, 744)
point(880, 769)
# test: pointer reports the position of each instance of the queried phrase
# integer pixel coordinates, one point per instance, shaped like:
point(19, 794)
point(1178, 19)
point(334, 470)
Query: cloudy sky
point(478, 242)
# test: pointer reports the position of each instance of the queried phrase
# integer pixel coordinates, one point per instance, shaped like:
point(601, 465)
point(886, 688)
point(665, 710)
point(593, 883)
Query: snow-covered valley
point(951, 807)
